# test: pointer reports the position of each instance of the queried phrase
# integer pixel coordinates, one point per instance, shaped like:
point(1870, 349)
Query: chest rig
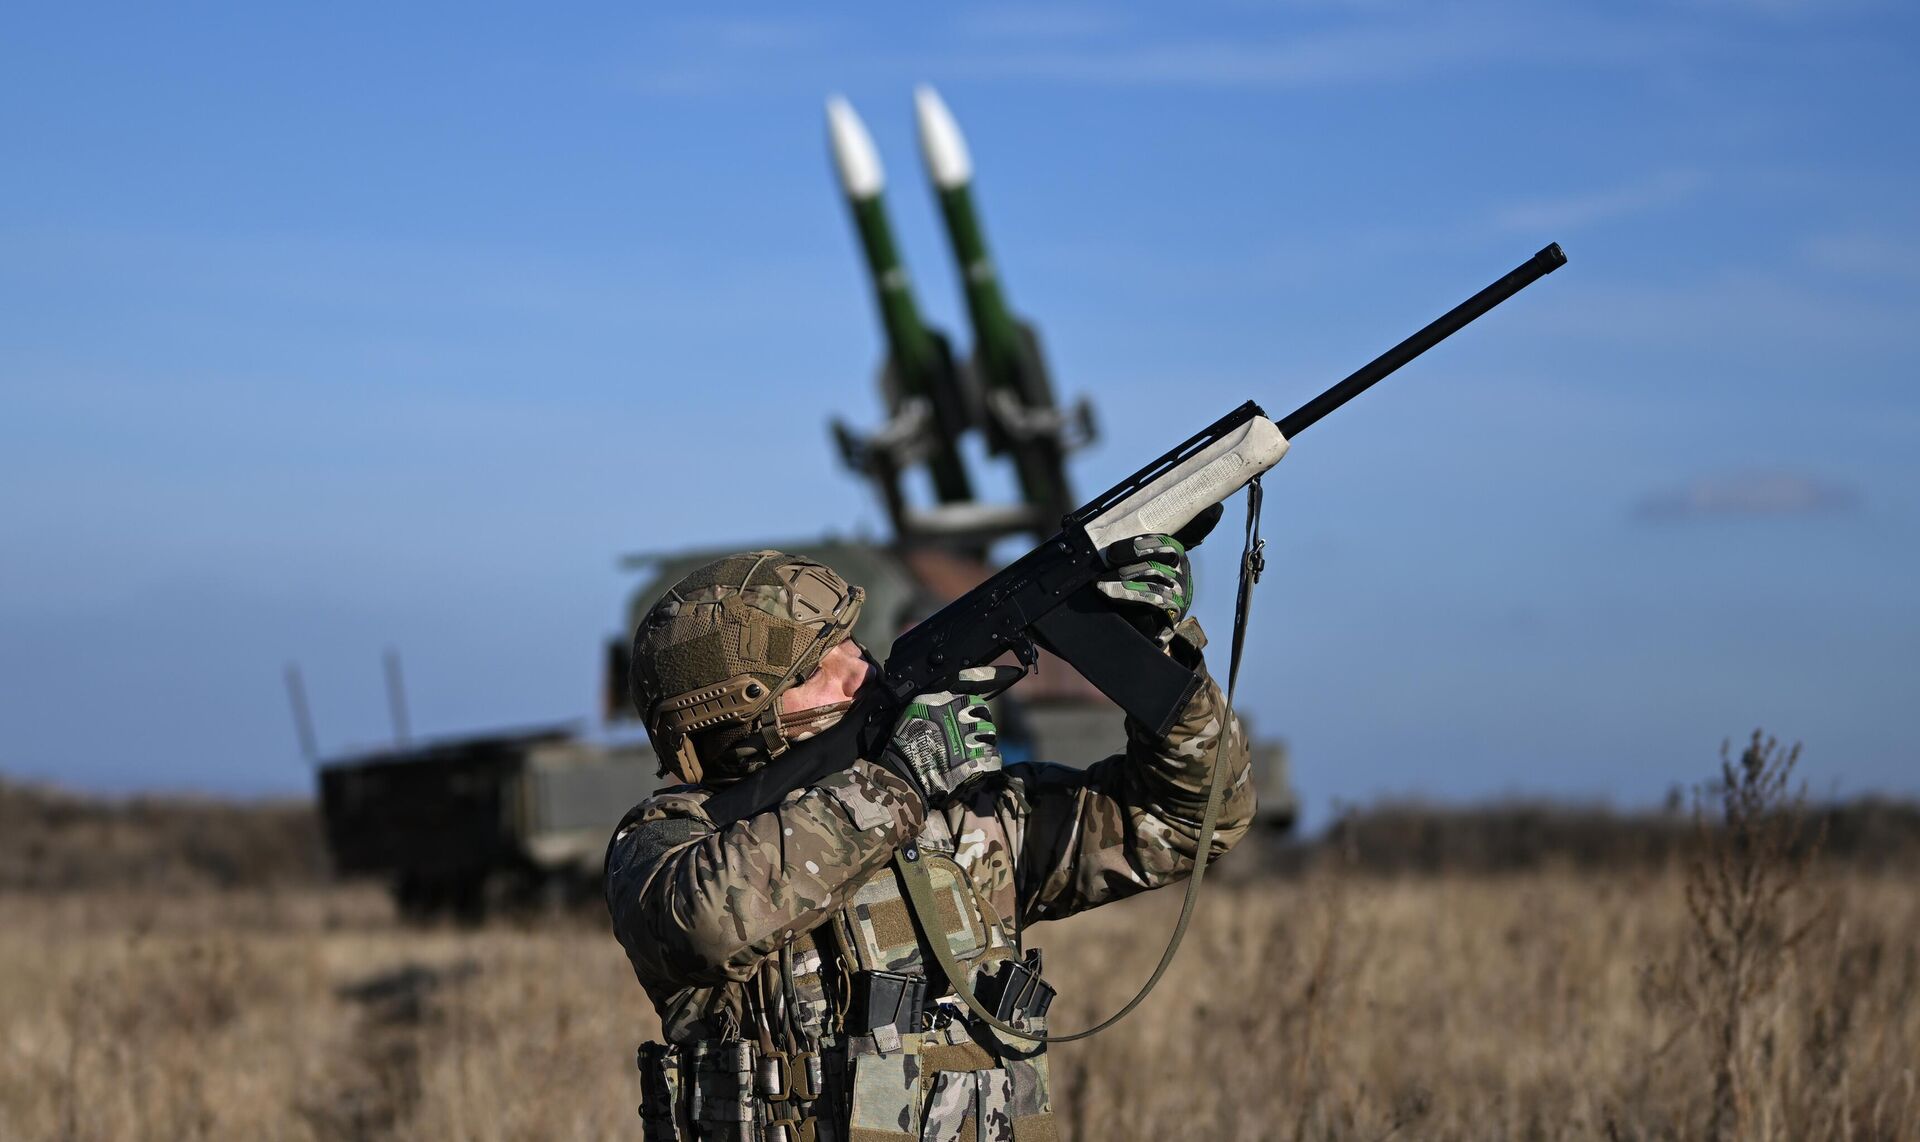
point(850, 1034)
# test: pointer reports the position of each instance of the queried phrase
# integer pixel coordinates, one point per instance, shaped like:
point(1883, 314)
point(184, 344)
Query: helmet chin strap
point(689, 760)
point(793, 726)
point(799, 725)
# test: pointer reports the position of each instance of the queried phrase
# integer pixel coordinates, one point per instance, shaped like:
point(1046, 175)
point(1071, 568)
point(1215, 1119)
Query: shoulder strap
point(912, 866)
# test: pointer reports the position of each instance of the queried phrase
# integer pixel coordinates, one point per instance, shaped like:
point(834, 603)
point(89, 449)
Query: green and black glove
point(1151, 573)
point(946, 741)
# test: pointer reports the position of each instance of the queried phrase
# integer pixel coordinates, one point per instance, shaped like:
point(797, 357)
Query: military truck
point(469, 823)
point(461, 824)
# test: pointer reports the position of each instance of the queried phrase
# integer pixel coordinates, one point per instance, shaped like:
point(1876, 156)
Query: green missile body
point(920, 365)
point(1021, 417)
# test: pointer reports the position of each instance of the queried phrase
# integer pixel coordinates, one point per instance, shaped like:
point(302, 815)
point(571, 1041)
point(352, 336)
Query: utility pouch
point(660, 1109)
point(1014, 989)
point(721, 1104)
point(970, 1106)
point(884, 1097)
point(886, 1005)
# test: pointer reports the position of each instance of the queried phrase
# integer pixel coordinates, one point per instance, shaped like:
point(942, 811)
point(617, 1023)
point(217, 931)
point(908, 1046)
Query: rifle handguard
point(1167, 502)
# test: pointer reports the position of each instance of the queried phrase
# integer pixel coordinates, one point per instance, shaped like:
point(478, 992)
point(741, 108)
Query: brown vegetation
point(1334, 1003)
point(1869, 834)
point(53, 841)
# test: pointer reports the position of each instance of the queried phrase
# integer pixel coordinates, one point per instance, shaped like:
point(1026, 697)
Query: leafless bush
point(1741, 896)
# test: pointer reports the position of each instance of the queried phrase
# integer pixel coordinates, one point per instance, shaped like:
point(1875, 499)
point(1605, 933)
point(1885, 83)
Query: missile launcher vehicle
point(459, 824)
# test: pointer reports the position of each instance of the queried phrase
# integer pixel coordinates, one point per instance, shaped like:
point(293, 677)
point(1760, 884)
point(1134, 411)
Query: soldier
point(796, 997)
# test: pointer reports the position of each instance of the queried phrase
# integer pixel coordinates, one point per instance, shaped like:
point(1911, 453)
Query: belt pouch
point(723, 1089)
point(660, 1094)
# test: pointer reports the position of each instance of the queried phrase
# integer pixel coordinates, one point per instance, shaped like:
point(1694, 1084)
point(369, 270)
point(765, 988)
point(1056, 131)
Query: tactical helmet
point(712, 657)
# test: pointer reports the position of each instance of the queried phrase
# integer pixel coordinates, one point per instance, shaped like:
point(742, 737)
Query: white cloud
point(1748, 310)
point(1039, 22)
point(1358, 55)
point(1753, 494)
point(1786, 9)
point(761, 35)
point(1361, 43)
point(1865, 255)
point(1318, 43)
point(1574, 211)
point(709, 57)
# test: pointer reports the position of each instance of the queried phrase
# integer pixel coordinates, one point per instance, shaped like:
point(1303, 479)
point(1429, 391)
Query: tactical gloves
point(946, 741)
point(1152, 577)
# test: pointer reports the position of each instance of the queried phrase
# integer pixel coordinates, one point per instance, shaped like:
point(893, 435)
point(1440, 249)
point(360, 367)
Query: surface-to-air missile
point(928, 402)
point(1010, 372)
point(1003, 391)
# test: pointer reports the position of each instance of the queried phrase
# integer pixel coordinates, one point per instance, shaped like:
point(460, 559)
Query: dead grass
point(176, 970)
point(55, 841)
point(312, 1016)
point(1339, 1005)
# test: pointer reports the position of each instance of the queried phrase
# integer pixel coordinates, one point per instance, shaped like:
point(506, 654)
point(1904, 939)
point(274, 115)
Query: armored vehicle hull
point(464, 824)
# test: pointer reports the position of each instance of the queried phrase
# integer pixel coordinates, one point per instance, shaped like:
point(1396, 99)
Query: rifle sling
point(907, 860)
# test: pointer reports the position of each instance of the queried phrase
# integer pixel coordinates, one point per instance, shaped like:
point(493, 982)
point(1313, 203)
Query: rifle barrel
point(1441, 328)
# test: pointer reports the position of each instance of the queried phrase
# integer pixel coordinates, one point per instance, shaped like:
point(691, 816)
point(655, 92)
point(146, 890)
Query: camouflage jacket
point(757, 932)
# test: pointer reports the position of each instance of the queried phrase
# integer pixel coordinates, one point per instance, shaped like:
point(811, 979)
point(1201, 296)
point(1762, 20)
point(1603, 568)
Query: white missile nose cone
point(854, 155)
point(948, 163)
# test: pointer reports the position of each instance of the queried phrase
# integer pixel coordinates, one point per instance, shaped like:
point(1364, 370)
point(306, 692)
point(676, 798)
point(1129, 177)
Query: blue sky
point(331, 330)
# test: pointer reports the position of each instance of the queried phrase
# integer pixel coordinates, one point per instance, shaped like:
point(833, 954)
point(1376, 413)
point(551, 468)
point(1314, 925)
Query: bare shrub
point(1742, 897)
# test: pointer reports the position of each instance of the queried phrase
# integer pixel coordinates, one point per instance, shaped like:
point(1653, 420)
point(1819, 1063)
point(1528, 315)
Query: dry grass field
point(1335, 1006)
point(1328, 1003)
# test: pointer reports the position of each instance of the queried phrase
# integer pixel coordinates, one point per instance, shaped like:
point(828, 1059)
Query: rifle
point(1046, 597)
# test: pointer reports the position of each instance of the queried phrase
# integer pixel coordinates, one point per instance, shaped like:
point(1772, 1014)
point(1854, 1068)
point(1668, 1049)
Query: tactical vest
point(846, 1038)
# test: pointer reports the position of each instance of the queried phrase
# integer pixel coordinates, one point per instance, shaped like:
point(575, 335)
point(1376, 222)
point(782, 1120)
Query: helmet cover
point(712, 657)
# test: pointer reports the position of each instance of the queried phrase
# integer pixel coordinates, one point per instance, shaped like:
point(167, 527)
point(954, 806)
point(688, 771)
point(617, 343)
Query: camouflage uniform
point(760, 943)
